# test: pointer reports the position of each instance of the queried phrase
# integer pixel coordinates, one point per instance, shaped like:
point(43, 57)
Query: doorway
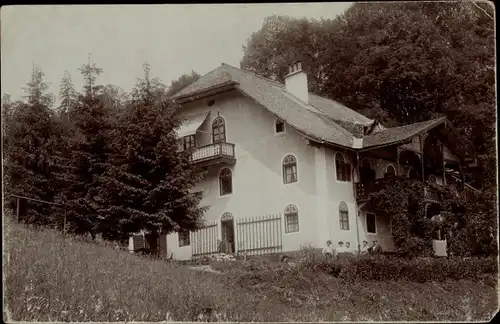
point(227, 226)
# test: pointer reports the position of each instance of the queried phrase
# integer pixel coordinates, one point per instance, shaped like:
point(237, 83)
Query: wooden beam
point(33, 199)
point(17, 209)
point(462, 176)
point(444, 163)
point(422, 141)
point(65, 218)
point(397, 160)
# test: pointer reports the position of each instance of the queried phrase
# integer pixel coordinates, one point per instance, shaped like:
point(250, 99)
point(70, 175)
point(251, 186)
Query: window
point(279, 127)
point(189, 141)
point(226, 182)
point(342, 168)
point(371, 226)
point(291, 219)
point(390, 171)
point(219, 130)
point(184, 239)
point(289, 169)
point(180, 145)
point(344, 216)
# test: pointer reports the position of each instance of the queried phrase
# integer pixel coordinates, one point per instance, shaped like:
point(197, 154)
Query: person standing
point(341, 249)
point(375, 248)
point(328, 250)
point(364, 249)
point(348, 248)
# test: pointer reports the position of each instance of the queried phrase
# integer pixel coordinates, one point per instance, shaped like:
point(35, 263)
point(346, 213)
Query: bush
point(382, 268)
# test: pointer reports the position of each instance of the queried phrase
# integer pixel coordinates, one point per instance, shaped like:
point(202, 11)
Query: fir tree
point(148, 88)
point(33, 144)
point(148, 186)
point(68, 96)
point(90, 148)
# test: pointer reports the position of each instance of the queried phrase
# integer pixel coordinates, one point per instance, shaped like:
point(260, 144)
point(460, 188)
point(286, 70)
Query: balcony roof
point(191, 124)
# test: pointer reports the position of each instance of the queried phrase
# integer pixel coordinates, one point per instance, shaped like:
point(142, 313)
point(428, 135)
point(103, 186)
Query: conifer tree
point(68, 96)
point(148, 186)
point(90, 148)
point(33, 144)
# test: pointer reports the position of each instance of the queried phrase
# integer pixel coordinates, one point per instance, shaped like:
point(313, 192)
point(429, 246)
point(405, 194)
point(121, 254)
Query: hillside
point(52, 278)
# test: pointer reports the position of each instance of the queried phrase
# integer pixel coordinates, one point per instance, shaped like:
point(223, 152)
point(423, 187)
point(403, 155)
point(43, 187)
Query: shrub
point(382, 268)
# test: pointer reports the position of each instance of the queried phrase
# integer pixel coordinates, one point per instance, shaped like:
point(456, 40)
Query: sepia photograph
point(272, 162)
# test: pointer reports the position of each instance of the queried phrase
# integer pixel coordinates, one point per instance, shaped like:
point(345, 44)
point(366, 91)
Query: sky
point(173, 39)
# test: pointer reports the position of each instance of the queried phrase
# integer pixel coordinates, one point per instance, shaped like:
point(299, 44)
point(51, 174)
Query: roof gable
point(396, 134)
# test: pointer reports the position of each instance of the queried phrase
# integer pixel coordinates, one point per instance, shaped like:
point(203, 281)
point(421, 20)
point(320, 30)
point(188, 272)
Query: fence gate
point(259, 235)
point(204, 240)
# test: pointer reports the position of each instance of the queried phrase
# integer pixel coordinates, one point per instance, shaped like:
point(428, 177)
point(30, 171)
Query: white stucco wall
point(258, 187)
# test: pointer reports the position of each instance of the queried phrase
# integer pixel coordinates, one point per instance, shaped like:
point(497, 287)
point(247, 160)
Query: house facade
point(285, 168)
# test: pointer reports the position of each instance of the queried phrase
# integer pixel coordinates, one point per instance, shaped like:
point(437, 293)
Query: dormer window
point(279, 127)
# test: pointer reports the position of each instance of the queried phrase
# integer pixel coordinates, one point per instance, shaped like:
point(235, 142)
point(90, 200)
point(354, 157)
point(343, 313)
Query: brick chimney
point(296, 82)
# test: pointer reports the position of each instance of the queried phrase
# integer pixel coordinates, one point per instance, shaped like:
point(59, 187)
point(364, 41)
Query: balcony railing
point(213, 151)
point(363, 190)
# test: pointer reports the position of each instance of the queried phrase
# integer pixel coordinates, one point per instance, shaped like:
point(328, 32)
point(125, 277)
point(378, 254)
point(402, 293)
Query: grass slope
point(52, 278)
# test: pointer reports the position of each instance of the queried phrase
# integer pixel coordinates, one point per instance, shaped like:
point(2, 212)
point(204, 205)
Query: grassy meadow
point(48, 277)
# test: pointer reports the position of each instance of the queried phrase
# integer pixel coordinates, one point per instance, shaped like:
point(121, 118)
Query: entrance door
point(227, 225)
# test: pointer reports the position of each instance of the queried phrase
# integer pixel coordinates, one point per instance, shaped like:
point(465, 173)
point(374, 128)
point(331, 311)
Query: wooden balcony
point(213, 154)
point(363, 190)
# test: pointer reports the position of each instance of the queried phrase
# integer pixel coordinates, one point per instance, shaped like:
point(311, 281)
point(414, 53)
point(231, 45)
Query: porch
point(363, 190)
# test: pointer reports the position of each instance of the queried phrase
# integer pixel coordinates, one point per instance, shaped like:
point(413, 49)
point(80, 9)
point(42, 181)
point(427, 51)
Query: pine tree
point(148, 186)
point(90, 148)
point(68, 96)
point(33, 145)
point(146, 88)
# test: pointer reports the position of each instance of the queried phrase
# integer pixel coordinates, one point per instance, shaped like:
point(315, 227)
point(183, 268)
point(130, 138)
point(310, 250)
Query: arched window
point(344, 216)
point(289, 169)
point(279, 126)
point(342, 168)
point(219, 130)
point(226, 182)
point(226, 217)
point(291, 219)
point(390, 171)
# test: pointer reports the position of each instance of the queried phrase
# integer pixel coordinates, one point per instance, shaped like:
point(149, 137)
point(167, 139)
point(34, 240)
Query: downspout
point(356, 200)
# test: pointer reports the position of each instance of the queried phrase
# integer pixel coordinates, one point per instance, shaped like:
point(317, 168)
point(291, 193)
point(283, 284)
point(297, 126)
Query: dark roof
point(396, 134)
point(322, 119)
point(272, 95)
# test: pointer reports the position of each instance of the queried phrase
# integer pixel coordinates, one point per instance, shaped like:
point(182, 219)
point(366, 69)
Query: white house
point(287, 168)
